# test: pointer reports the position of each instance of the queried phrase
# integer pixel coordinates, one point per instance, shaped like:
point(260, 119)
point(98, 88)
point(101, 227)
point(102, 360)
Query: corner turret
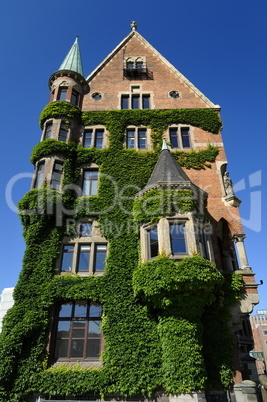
point(67, 83)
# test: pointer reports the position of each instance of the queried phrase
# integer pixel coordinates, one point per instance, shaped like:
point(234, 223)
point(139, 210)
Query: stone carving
point(228, 185)
point(133, 26)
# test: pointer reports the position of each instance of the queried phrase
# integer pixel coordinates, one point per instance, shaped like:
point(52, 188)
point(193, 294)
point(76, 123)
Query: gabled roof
point(157, 54)
point(73, 61)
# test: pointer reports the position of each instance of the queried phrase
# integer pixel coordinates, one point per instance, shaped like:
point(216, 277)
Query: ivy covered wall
point(157, 334)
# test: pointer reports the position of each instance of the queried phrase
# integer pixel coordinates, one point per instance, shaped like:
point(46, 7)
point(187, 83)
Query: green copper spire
point(73, 59)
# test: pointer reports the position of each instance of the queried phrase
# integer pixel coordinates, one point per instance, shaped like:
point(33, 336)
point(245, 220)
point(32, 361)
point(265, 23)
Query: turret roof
point(73, 61)
point(167, 172)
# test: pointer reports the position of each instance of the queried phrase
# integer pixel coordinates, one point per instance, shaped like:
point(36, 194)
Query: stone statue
point(228, 185)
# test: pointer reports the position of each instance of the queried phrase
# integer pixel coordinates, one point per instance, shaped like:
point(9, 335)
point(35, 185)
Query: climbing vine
point(146, 340)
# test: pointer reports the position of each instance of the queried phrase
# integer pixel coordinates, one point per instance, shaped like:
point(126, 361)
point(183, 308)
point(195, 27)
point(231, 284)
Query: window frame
point(72, 245)
point(94, 130)
point(131, 100)
point(73, 319)
point(54, 174)
point(39, 172)
point(137, 137)
point(181, 139)
point(63, 128)
point(89, 181)
point(61, 90)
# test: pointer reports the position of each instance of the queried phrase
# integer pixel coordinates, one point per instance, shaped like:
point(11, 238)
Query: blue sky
point(220, 46)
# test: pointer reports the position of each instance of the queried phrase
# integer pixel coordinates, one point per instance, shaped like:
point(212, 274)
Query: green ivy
point(156, 203)
point(147, 346)
point(60, 109)
point(116, 121)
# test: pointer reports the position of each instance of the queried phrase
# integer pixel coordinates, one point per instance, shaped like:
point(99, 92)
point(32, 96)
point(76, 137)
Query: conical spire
point(167, 171)
point(73, 61)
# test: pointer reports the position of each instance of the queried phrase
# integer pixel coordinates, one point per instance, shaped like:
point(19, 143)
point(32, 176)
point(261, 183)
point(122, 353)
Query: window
point(177, 238)
point(67, 258)
point(90, 180)
point(84, 257)
point(135, 101)
point(96, 96)
point(153, 243)
point(135, 67)
point(78, 333)
point(63, 132)
point(85, 229)
point(174, 94)
point(264, 332)
point(40, 175)
point(93, 137)
point(62, 93)
point(56, 176)
point(179, 137)
point(74, 98)
point(136, 138)
point(48, 131)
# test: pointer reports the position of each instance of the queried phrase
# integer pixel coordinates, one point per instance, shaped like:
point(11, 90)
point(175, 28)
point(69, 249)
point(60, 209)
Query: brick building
point(134, 246)
point(259, 331)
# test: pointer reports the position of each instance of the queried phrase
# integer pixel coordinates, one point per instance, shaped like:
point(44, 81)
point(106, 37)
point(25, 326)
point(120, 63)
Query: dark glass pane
point(173, 137)
point(139, 65)
point(86, 229)
point(48, 131)
point(74, 98)
point(177, 239)
point(66, 263)
point(80, 310)
point(146, 102)
point(154, 246)
point(129, 64)
point(100, 257)
point(65, 310)
point(141, 138)
point(61, 348)
point(87, 139)
point(63, 329)
point(185, 137)
point(77, 348)
point(62, 94)
point(78, 333)
point(125, 102)
point(99, 134)
point(83, 258)
point(135, 101)
point(93, 348)
point(94, 329)
point(63, 134)
point(95, 310)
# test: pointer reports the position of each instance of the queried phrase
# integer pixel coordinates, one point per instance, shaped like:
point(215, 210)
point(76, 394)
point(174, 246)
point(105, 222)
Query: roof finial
point(164, 144)
point(134, 26)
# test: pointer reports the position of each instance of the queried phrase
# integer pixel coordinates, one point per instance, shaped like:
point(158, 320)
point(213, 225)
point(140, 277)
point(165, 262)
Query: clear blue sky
point(220, 46)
